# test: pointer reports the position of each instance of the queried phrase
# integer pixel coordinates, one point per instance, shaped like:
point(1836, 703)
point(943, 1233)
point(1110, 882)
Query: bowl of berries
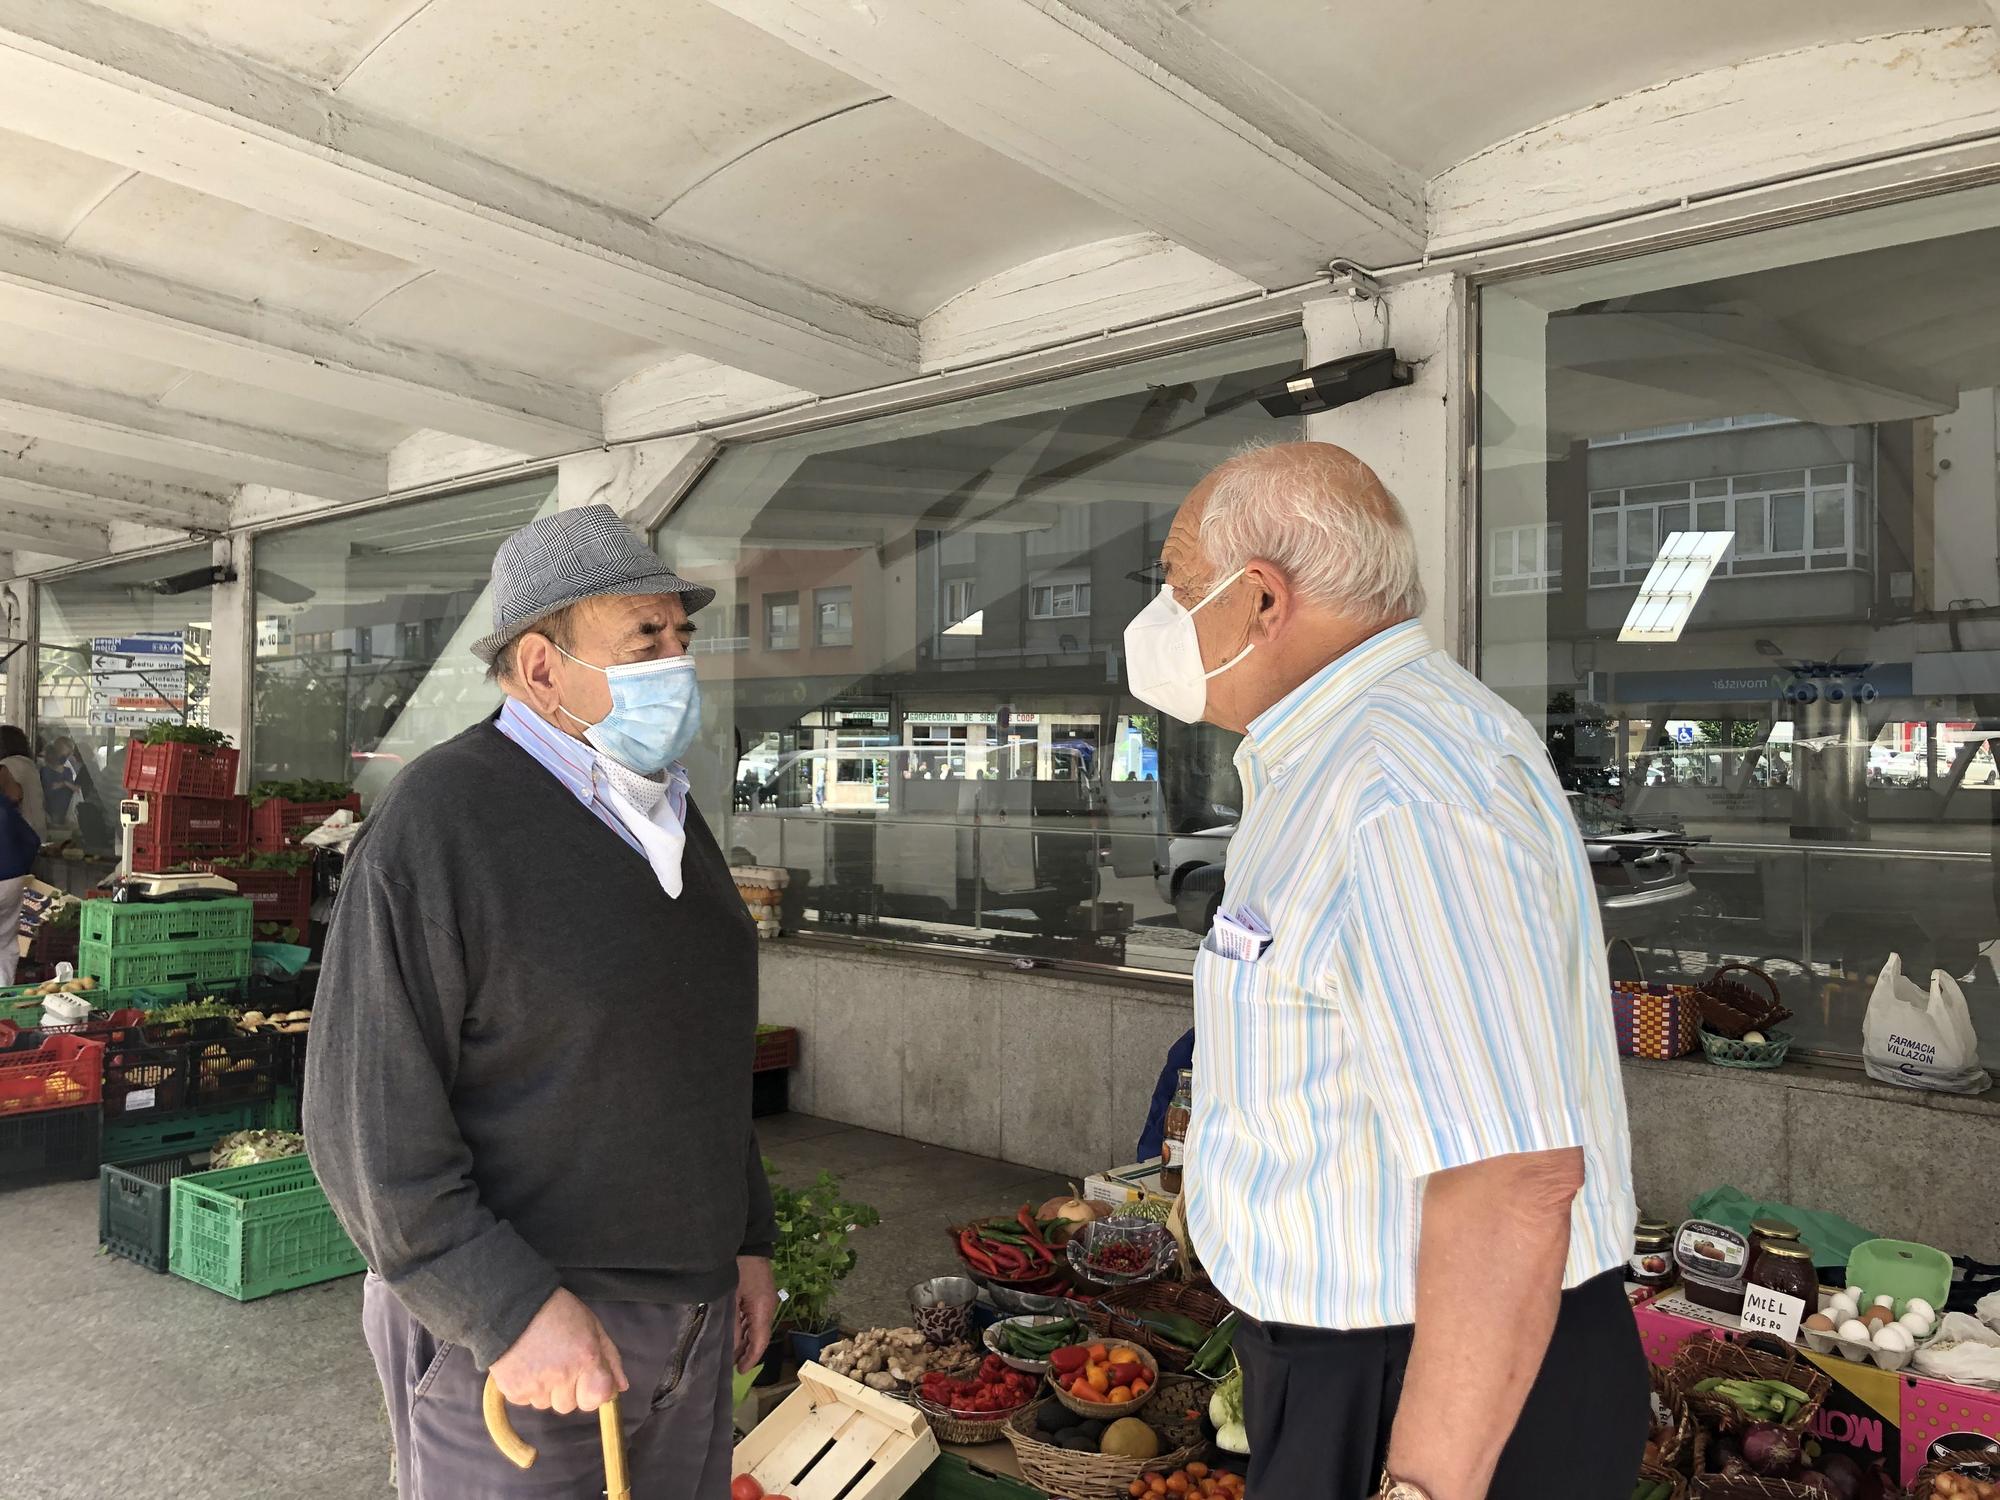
point(975, 1408)
point(1121, 1252)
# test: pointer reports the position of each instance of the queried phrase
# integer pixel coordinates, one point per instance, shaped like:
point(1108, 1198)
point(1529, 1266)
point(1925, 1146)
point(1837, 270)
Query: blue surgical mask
point(655, 711)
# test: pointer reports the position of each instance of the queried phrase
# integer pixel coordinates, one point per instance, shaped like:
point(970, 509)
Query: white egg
point(1886, 1301)
point(1918, 1305)
point(1854, 1331)
point(1894, 1337)
point(1842, 1306)
point(1918, 1325)
point(1854, 1294)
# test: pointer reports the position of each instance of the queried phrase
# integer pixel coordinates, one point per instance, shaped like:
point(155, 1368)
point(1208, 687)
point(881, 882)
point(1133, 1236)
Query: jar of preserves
point(1765, 1230)
point(1712, 1260)
point(1173, 1147)
point(1652, 1263)
point(1786, 1266)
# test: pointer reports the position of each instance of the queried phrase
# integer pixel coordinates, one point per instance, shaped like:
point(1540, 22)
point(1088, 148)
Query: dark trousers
point(1319, 1405)
point(677, 1417)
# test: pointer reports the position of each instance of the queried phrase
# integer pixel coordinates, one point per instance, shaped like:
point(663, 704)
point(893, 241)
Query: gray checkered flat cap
point(571, 555)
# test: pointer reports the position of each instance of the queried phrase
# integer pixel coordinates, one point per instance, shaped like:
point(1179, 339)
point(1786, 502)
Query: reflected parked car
point(1640, 874)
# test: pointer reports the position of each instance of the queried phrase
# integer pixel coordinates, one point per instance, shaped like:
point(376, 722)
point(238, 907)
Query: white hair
point(1322, 516)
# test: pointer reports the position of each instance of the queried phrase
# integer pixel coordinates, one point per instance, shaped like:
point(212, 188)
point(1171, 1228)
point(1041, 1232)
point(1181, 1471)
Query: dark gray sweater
point(529, 1065)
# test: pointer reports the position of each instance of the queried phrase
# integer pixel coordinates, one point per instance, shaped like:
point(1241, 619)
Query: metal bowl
point(1016, 1304)
point(1156, 1240)
point(1031, 1320)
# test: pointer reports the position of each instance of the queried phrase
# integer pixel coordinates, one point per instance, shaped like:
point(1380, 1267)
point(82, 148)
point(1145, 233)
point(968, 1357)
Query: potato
point(293, 1028)
point(253, 1018)
point(299, 1015)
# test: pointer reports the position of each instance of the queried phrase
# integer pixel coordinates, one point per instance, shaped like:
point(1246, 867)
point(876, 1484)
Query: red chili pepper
point(976, 1257)
point(1011, 1261)
point(1026, 1219)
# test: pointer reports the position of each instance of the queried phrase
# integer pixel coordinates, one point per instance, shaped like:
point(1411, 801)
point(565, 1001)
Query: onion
point(1771, 1450)
point(1072, 1208)
point(1843, 1473)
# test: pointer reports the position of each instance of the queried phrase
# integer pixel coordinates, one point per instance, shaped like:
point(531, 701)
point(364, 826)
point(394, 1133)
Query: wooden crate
point(833, 1438)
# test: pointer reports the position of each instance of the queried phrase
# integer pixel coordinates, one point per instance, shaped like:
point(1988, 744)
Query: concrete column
point(637, 482)
point(233, 644)
point(1413, 437)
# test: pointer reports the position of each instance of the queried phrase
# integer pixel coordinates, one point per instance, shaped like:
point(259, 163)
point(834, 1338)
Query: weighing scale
point(131, 885)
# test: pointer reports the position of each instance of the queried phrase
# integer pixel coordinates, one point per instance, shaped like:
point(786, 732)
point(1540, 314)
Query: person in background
point(1406, 1080)
point(62, 781)
point(19, 845)
point(528, 1094)
point(1179, 1056)
point(18, 756)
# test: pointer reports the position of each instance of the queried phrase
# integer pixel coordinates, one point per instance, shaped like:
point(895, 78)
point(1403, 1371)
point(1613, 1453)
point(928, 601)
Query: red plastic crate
point(275, 824)
point(180, 770)
point(191, 830)
point(281, 896)
point(776, 1050)
point(62, 1073)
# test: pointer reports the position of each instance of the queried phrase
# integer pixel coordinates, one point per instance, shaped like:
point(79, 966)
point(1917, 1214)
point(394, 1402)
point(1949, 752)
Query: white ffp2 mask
point(1163, 655)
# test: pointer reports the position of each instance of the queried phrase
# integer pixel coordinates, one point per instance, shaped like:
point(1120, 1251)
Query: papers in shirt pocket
point(1240, 935)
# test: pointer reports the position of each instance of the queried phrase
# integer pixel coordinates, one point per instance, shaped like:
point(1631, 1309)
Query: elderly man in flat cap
point(528, 1096)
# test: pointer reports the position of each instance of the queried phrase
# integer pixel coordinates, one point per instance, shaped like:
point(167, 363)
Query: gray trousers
point(677, 1414)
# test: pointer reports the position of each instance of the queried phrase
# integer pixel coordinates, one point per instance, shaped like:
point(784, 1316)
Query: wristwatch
point(1401, 1489)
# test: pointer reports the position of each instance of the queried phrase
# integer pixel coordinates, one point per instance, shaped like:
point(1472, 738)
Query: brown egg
point(1875, 1317)
point(1820, 1323)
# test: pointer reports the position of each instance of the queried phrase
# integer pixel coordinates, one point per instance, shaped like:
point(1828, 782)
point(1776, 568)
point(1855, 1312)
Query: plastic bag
point(1920, 1041)
point(1988, 1309)
point(1830, 1237)
point(1964, 1363)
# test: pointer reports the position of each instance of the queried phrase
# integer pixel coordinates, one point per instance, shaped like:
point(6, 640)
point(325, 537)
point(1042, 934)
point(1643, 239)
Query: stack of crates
point(49, 1114)
point(193, 813)
point(127, 943)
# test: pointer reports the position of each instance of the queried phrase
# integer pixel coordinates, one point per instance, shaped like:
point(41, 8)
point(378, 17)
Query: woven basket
point(1681, 1440)
point(1730, 1008)
point(1752, 1487)
point(1111, 1317)
point(967, 1432)
point(1699, 1359)
point(1097, 1476)
point(1729, 1052)
point(1104, 1411)
point(1654, 1474)
point(1925, 1487)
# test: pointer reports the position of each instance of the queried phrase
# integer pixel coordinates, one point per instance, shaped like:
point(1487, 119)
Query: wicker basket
point(1114, 1324)
point(1655, 1474)
point(1730, 1009)
point(1104, 1411)
point(967, 1431)
point(1699, 1359)
point(1752, 1487)
point(1925, 1486)
point(1729, 1052)
point(1681, 1440)
point(1097, 1476)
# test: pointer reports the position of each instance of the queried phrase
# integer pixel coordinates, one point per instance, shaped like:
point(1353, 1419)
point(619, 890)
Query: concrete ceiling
point(273, 244)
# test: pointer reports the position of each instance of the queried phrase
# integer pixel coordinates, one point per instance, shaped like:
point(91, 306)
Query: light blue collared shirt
point(574, 764)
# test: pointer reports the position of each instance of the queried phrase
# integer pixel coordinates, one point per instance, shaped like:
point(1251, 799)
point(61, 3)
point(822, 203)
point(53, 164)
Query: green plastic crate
point(21, 1005)
point(170, 963)
point(133, 1208)
point(250, 1231)
point(282, 1109)
point(177, 1131)
point(148, 924)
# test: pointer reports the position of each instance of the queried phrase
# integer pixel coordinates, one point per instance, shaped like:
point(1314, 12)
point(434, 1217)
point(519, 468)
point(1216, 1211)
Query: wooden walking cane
point(617, 1483)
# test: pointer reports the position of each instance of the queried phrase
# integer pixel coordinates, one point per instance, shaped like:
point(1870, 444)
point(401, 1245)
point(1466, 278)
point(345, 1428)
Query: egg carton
point(1864, 1351)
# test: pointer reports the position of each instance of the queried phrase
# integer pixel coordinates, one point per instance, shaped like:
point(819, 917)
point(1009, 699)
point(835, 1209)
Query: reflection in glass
point(365, 625)
point(942, 748)
point(1805, 779)
point(117, 655)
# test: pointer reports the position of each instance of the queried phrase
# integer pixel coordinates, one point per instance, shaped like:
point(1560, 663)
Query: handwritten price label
point(1766, 1311)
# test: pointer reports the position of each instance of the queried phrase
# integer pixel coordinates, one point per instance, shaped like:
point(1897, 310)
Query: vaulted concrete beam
point(30, 530)
point(128, 92)
point(1262, 183)
point(125, 427)
point(49, 290)
point(104, 494)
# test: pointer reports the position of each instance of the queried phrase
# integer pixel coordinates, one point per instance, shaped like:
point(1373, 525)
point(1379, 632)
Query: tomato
point(743, 1487)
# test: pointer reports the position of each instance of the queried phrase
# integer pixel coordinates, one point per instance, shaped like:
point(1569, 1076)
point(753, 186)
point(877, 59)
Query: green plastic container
point(282, 1110)
point(171, 963)
point(21, 1005)
point(247, 1232)
point(133, 1204)
point(148, 924)
point(1900, 1269)
point(173, 1132)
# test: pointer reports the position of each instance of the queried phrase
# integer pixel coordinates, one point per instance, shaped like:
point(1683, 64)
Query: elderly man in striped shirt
point(1409, 1162)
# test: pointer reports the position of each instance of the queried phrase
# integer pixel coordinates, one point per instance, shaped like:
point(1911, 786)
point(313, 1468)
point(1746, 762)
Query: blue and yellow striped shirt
point(1433, 993)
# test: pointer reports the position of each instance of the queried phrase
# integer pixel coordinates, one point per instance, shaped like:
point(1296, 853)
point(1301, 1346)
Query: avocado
point(1093, 1429)
point(1076, 1442)
point(1053, 1417)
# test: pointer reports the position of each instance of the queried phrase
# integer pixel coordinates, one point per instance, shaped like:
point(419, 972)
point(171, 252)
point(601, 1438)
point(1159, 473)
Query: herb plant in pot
point(812, 1257)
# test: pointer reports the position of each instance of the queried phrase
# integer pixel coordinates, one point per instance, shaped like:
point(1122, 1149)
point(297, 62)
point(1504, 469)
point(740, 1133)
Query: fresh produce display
point(1217, 1356)
point(1120, 1258)
point(1949, 1486)
point(889, 1358)
point(246, 1148)
point(1765, 1400)
point(1102, 1374)
point(188, 1010)
point(993, 1390)
point(1652, 1489)
point(305, 790)
point(291, 1022)
point(1196, 1480)
point(1015, 1249)
point(1059, 1427)
point(1225, 1410)
point(1036, 1341)
point(1064, 1216)
point(198, 735)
